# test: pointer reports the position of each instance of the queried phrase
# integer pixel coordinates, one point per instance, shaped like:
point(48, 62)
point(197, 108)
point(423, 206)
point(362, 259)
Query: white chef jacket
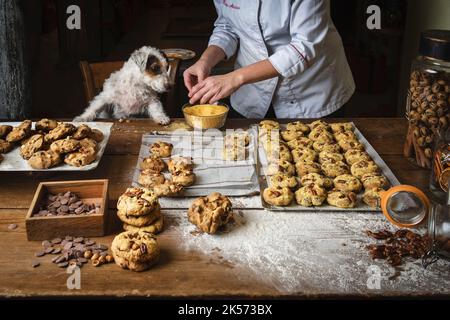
point(300, 40)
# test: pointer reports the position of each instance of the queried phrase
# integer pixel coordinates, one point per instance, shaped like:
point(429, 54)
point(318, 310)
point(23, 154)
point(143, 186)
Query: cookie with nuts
point(168, 189)
point(83, 131)
point(374, 180)
point(150, 178)
point(355, 155)
point(347, 182)
point(333, 169)
point(342, 199)
point(278, 196)
point(316, 179)
point(283, 180)
point(327, 146)
point(161, 149)
point(20, 132)
point(44, 159)
point(178, 163)
point(153, 163)
point(34, 144)
point(341, 126)
point(210, 213)
point(155, 227)
point(4, 130)
point(310, 195)
point(46, 125)
point(81, 157)
point(141, 220)
point(304, 155)
point(184, 177)
point(66, 145)
point(137, 201)
point(298, 126)
point(5, 146)
point(362, 167)
point(372, 197)
point(303, 168)
point(280, 166)
point(62, 130)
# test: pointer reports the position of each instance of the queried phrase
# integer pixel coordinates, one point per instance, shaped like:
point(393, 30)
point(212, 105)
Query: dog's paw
point(163, 120)
point(83, 119)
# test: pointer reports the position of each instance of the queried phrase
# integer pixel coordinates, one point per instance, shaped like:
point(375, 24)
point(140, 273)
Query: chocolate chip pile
point(397, 245)
point(65, 204)
point(74, 251)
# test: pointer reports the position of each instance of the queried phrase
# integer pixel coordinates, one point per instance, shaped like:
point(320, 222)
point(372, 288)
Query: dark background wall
point(112, 29)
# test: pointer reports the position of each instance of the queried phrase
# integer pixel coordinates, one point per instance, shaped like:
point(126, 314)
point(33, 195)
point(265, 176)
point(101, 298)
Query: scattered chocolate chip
point(78, 240)
point(56, 251)
point(68, 245)
point(35, 264)
point(63, 264)
point(46, 243)
point(49, 250)
point(40, 254)
point(56, 241)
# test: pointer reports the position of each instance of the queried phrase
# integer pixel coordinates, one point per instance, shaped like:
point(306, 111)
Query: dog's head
point(156, 71)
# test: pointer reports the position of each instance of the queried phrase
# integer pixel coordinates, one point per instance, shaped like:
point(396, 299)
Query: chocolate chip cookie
point(137, 201)
point(5, 146)
point(66, 145)
point(46, 125)
point(210, 213)
point(374, 180)
point(341, 199)
point(316, 179)
point(62, 130)
point(20, 132)
point(89, 143)
point(83, 131)
point(278, 196)
point(155, 227)
point(161, 149)
point(44, 159)
point(80, 158)
point(4, 130)
point(347, 182)
point(167, 189)
point(283, 180)
point(153, 163)
point(184, 177)
point(303, 168)
point(141, 220)
point(34, 144)
point(149, 178)
point(310, 195)
point(96, 135)
point(362, 167)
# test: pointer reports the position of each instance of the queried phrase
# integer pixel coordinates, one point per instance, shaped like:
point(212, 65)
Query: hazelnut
point(433, 121)
point(443, 122)
point(429, 139)
point(430, 113)
point(96, 263)
point(88, 254)
point(102, 259)
point(431, 98)
point(423, 131)
point(416, 132)
point(441, 82)
point(95, 256)
point(436, 87)
point(441, 103)
point(441, 111)
point(109, 258)
point(424, 118)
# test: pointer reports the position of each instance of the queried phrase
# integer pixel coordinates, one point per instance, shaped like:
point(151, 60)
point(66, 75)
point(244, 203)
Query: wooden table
point(181, 273)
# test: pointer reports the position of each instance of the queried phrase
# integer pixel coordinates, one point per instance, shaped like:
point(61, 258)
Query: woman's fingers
point(208, 95)
point(196, 88)
point(200, 93)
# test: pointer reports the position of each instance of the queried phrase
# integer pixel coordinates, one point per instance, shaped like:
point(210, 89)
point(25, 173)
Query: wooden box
point(90, 225)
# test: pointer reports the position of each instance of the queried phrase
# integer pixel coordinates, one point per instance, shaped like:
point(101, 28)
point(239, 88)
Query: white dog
point(133, 89)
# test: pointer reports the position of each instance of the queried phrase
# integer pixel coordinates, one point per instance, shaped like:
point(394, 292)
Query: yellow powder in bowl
point(205, 110)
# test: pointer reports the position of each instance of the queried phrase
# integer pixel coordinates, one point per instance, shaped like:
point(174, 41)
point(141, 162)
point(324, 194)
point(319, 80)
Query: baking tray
point(231, 178)
point(14, 162)
point(361, 206)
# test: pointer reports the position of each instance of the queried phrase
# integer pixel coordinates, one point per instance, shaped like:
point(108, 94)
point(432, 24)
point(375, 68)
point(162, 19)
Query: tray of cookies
point(319, 166)
point(189, 163)
point(50, 145)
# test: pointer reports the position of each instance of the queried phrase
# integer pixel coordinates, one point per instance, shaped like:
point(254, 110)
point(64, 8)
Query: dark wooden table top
point(179, 273)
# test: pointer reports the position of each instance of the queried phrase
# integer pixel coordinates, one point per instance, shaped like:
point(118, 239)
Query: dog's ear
point(166, 58)
point(153, 65)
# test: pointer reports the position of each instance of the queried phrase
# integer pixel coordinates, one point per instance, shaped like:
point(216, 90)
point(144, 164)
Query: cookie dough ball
point(374, 180)
point(4, 130)
point(137, 201)
point(341, 126)
point(316, 179)
point(334, 168)
point(149, 178)
point(310, 195)
point(168, 189)
point(303, 168)
point(354, 155)
point(298, 126)
point(80, 158)
point(141, 220)
point(350, 144)
point(289, 135)
point(280, 166)
point(362, 167)
point(135, 250)
point(210, 213)
point(326, 156)
point(65, 145)
point(347, 182)
point(304, 155)
point(161, 149)
point(153, 163)
point(34, 144)
point(327, 146)
point(44, 159)
point(5, 146)
point(155, 227)
point(319, 124)
point(83, 131)
point(300, 143)
point(183, 177)
point(278, 196)
point(321, 135)
point(283, 180)
point(20, 132)
point(341, 199)
point(46, 125)
point(372, 197)
point(345, 135)
point(62, 130)
point(96, 135)
point(180, 164)
point(269, 125)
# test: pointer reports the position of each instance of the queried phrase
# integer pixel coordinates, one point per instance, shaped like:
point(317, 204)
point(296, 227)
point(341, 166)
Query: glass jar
point(439, 234)
point(440, 173)
point(428, 97)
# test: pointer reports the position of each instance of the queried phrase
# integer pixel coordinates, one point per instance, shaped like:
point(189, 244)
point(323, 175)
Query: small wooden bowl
point(87, 225)
point(206, 122)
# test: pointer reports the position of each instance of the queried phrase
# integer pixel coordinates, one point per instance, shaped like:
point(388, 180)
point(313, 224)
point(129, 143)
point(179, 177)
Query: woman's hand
point(196, 73)
point(214, 88)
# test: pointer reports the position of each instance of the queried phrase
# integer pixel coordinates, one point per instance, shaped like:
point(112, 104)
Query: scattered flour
point(311, 253)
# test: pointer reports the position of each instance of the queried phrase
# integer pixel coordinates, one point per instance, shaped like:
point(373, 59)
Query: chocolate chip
point(64, 201)
point(12, 226)
point(40, 254)
point(82, 260)
point(102, 247)
point(68, 245)
point(46, 243)
point(78, 240)
point(55, 259)
point(63, 264)
point(48, 250)
point(35, 264)
point(89, 242)
point(56, 241)
point(64, 208)
point(56, 251)
point(68, 238)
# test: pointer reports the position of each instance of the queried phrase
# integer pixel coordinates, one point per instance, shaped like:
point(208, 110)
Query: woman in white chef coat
point(289, 56)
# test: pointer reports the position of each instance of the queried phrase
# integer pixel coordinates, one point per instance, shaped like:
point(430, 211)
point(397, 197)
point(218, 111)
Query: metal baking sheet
point(14, 162)
point(231, 178)
point(361, 206)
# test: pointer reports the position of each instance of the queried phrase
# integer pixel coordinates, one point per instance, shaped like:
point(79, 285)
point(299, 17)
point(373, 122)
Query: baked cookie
point(283, 180)
point(80, 158)
point(278, 152)
point(373, 181)
point(333, 169)
point(4, 130)
point(355, 155)
point(330, 147)
point(153, 163)
point(34, 144)
point(155, 227)
point(167, 189)
point(5, 146)
point(345, 135)
point(300, 143)
point(161, 149)
point(316, 179)
point(289, 135)
point(46, 125)
point(183, 177)
point(347, 182)
point(280, 166)
point(148, 178)
point(83, 131)
point(321, 135)
point(66, 145)
point(362, 167)
point(135, 250)
point(325, 156)
point(210, 213)
point(269, 125)
point(137, 201)
point(319, 124)
point(341, 199)
point(142, 220)
point(341, 126)
point(96, 135)
point(20, 132)
point(372, 197)
point(44, 159)
point(298, 126)
point(350, 144)
point(278, 196)
point(62, 130)
point(303, 168)
point(302, 155)
point(178, 163)
point(88, 143)
point(310, 195)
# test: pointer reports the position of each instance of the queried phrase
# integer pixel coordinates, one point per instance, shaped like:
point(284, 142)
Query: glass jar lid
point(435, 44)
